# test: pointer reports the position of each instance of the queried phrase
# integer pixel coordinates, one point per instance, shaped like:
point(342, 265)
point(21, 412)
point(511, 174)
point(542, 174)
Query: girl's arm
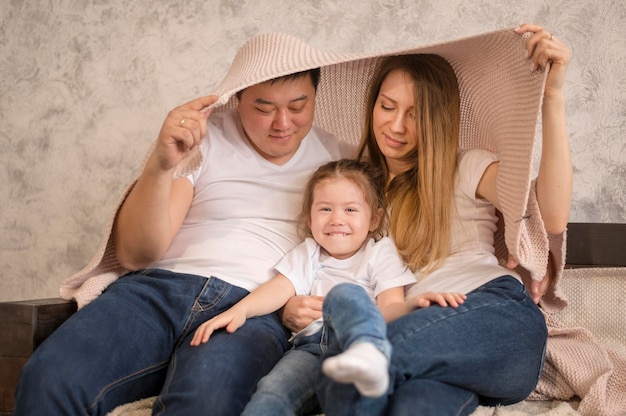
point(392, 304)
point(267, 298)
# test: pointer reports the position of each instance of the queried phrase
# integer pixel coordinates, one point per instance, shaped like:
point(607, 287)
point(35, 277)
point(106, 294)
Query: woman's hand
point(543, 47)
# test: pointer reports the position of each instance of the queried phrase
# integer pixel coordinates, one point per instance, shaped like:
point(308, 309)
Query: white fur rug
point(526, 408)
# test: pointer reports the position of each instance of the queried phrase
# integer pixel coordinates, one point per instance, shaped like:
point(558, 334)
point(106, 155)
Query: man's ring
point(182, 122)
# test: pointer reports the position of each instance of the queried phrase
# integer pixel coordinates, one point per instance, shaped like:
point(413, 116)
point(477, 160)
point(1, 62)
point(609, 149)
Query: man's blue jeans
point(350, 317)
point(133, 342)
point(447, 361)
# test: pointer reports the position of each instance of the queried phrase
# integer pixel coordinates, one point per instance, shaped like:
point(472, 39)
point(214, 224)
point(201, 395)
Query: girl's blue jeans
point(446, 361)
point(350, 317)
point(132, 342)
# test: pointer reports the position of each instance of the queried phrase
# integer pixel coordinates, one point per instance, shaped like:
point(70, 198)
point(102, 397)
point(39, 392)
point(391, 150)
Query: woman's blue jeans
point(132, 342)
point(350, 317)
point(447, 361)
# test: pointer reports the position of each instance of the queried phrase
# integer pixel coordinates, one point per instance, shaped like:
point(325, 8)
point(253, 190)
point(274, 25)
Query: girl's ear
point(376, 218)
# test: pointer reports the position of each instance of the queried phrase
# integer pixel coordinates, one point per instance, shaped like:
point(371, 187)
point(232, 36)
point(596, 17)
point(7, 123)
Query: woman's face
point(394, 120)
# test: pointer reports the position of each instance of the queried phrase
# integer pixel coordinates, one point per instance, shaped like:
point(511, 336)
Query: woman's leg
point(112, 351)
point(424, 397)
point(492, 345)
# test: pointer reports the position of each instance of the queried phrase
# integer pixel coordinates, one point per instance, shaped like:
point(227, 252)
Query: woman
point(490, 349)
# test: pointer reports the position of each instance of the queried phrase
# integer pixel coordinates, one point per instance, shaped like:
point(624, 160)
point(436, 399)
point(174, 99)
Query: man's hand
point(182, 131)
point(300, 311)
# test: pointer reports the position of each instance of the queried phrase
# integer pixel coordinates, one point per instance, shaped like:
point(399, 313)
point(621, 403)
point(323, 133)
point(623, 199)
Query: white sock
point(362, 364)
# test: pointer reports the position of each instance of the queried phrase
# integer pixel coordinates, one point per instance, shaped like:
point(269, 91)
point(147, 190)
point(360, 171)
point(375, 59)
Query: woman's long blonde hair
point(421, 199)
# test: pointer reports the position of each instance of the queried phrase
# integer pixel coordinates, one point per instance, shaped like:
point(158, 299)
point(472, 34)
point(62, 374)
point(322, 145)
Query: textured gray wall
point(85, 85)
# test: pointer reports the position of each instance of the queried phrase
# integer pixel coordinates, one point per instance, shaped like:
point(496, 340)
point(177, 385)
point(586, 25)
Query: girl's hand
point(231, 319)
point(443, 299)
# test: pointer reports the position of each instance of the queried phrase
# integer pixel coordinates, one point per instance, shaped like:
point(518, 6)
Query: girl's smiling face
point(341, 218)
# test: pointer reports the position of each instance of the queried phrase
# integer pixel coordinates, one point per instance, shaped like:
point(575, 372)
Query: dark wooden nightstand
point(24, 325)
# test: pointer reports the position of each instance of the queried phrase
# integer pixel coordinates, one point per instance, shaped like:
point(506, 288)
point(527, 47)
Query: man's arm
point(155, 208)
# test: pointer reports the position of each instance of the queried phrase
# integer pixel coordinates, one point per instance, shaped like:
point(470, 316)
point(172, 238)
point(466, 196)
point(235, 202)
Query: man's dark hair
point(314, 72)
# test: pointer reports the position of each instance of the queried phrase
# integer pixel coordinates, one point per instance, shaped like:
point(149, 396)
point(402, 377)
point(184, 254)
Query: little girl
point(343, 217)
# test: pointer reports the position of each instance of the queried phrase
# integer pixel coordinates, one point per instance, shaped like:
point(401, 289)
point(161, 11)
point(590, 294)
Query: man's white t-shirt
point(243, 216)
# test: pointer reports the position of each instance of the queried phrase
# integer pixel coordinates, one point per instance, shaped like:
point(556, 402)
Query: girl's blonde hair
point(422, 198)
point(368, 178)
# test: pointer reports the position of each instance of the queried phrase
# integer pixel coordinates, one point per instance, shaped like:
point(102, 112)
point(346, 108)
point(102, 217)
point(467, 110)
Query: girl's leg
point(289, 389)
point(360, 330)
point(352, 317)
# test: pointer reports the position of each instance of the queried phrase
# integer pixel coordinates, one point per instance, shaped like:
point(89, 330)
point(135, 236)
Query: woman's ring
point(551, 36)
point(182, 122)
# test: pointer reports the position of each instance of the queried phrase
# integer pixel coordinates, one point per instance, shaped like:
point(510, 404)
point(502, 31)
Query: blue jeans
point(132, 342)
point(446, 361)
point(350, 317)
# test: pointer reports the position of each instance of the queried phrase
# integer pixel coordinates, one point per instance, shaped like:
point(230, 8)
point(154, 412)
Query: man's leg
point(114, 350)
point(219, 377)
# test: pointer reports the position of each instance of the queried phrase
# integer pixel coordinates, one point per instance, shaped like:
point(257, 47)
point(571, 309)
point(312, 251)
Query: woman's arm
point(554, 180)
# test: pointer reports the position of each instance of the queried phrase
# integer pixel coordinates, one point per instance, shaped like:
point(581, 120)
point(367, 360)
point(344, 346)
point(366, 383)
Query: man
point(196, 244)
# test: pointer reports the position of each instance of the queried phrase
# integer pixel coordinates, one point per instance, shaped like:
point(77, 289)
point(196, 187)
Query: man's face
point(276, 116)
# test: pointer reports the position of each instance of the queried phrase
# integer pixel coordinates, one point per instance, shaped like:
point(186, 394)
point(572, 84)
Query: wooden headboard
point(596, 244)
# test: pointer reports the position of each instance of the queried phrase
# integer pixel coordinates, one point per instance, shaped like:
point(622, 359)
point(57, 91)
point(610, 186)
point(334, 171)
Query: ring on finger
point(182, 122)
